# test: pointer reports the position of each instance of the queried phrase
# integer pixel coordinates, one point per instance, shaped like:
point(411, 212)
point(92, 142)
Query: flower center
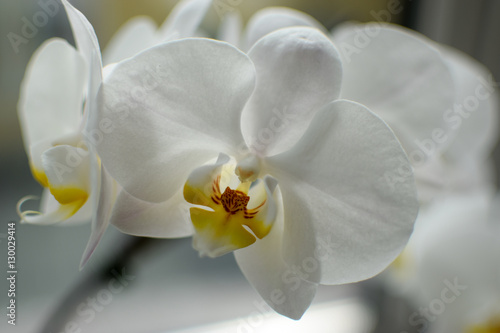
point(234, 200)
point(235, 217)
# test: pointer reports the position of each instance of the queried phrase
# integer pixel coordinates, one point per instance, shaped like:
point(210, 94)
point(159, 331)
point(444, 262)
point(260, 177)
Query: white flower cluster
point(286, 144)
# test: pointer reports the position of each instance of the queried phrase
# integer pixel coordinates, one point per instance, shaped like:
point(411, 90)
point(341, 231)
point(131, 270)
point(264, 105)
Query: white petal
point(399, 75)
point(340, 204)
point(263, 265)
point(168, 110)
point(85, 37)
point(67, 167)
point(474, 116)
point(62, 215)
point(270, 19)
point(459, 246)
point(67, 173)
point(230, 28)
point(51, 96)
point(298, 72)
point(104, 192)
point(88, 46)
point(184, 19)
point(136, 35)
point(168, 219)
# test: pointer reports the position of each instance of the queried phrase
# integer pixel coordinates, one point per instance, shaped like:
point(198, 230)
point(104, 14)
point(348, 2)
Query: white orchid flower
point(141, 33)
point(281, 172)
point(57, 94)
point(457, 266)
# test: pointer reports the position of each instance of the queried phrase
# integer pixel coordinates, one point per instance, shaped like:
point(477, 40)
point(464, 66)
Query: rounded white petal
point(474, 116)
point(342, 205)
point(263, 265)
point(136, 35)
point(51, 96)
point(169, 110)
point(298, 72)
point(184, 19)
point(400, 76)
point(270, 19)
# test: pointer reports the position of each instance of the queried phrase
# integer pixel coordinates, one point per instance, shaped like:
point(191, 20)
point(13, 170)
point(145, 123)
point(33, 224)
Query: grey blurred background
point(48, 257)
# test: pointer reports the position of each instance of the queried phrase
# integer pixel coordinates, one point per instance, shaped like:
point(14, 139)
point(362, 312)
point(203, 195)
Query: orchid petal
point(68, 173)
point(400, 76)
point(184, 19)
point(51, 93)
point(88, 46)
point(458, 246)
point(341, 209)
point(136, 35)
point(475, 113)
point(104, 194)
point(66, 169)
point(61, 215)
point(263, 266)
point(298, 71)
point(169, 110)
point(85, 37)
point(271, 19)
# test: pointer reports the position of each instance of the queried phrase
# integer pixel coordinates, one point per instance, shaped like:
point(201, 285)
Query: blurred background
point(173, 289)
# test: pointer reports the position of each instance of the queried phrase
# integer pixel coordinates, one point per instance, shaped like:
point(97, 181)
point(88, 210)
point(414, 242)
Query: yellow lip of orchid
point(67, 181)
point(237, 217)
point(70, 198)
